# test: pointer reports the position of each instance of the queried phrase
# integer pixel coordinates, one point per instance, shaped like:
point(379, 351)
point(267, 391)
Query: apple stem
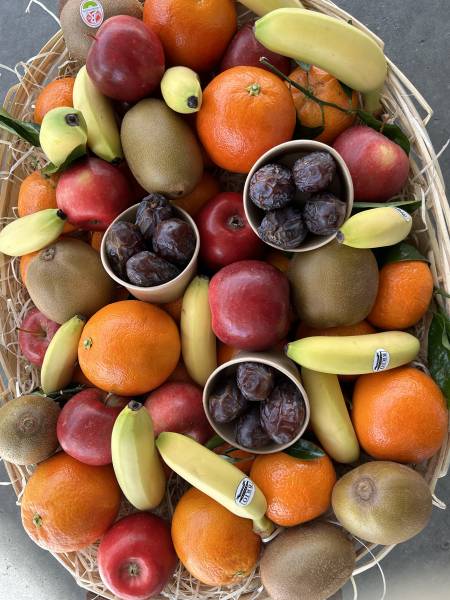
point(235, 222)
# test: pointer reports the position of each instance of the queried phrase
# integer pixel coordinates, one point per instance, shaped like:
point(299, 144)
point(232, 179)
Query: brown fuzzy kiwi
point(309, 562)
point(28, 429)
point(78, 36)
point(68, 279)
point(382, 502)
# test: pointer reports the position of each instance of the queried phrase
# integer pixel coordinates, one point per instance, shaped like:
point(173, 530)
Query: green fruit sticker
point(92, 13)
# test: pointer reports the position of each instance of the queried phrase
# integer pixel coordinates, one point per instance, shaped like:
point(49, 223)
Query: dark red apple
point(92, 193)
point(245, 50)
point(126, 60)
point(178, 407)
point(250, 305)
point(35, 334)
point(136, 557)
point(85, 425)
point(225, 234)
point(378, 166)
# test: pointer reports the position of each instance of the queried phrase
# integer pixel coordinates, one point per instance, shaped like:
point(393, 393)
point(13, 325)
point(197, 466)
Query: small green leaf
point(303, 65)
point(393, 132)
point(439, 352)
point(214, 442)
point(24, 129)
point(75, 155)
point(402, 252)
point(441, 292)
point(304, 450)
point(348, 90)
point(408, 205)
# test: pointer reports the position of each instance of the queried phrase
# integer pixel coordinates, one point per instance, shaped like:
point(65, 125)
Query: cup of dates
point(257, 403)
point(298, 195)
point(152, 249)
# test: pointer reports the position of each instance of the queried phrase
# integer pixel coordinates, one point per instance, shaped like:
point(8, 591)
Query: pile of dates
point(276, 189)
point(153, 250)
point(263, 405)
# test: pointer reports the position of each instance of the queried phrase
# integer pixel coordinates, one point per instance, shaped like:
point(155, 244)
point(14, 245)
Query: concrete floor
point(417, 37)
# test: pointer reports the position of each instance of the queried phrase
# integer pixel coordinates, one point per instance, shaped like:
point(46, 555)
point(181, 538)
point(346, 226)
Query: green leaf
point(402, 252)
point(439, 352)
point(441, 292)
point(305, 66)
point(75, 155)
point(348, 90)
point(307, 133)
point(24, 129)
point(304, 450)
point(393, 132)
point(214, 442)
point(408, 205)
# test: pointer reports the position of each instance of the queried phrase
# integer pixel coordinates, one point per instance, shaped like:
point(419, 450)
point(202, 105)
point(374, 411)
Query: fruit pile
point(280, 390)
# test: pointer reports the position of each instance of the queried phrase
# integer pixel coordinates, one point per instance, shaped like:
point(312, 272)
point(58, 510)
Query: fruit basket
point(401, 102)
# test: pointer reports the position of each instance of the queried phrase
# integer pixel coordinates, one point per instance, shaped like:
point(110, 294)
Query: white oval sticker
point(244, 492)
point(407, 217)
point(381, 360)
point(92, 14)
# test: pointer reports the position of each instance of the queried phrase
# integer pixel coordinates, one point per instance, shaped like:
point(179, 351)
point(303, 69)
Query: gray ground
point(417, 37)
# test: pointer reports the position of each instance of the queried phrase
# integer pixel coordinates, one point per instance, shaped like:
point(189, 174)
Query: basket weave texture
point(401, 101)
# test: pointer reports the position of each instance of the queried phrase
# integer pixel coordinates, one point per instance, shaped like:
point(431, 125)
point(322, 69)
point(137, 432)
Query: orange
point(25, 263)
point(194, 34)
point(174, 308)
point(399, 415)
point(80, 378)
point(404, 293)
point(56, 94)
point(96, 239)
point(68, 505)
point(245, 112)
point(225, 353)
point(38, 192)
point(296, 490)
point(129, 347)
point(279, 259)
point(362, 328)
point(325, 87)
point(215, 546)
point(205, 191)
point(241, 459)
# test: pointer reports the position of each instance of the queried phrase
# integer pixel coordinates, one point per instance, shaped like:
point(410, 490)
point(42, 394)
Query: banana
point(61, 356)
point(335, 46)
point(262, 7)
point(63, 131)
point(136, 463)
point(329, 416)
point(216, 478)
point(356, 354)
point(32, 232)
point(198, 342)
point(103, 136)
point(376, 228)
point(181, 90)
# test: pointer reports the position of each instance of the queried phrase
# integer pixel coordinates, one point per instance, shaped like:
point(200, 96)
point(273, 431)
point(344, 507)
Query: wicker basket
point(402, 102)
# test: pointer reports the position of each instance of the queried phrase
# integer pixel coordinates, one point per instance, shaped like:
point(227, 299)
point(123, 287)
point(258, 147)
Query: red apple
point(378, 166)
point(245, 50)
point(225, 234)
point(85, 425)
point(92, 193)
point(126, 60)
point(35, 334)
point(136, 557)
point(178, 407)
point(250, 305)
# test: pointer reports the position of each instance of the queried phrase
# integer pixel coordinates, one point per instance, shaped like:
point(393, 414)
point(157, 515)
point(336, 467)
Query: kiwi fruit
point(382, 502)
point(161, 149)
point(28, 429)
point(334, 285)
point(68, 279)
point(309, 562)
point(78, 36)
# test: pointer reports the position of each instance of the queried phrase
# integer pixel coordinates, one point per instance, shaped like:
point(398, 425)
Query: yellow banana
point(32, 232)
point(356, 354)
point(215, 477)
point(181, 90)
point(376, 228)
point(198, 342)
point(61, 356)
point(333, 45)
point(63, 131)
point(329, 416)
point(103, 136)
point(262, 7)
point(136, 463)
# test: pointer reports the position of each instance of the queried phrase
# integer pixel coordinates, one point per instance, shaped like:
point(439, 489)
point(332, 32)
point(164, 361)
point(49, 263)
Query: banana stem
point(263, 527)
